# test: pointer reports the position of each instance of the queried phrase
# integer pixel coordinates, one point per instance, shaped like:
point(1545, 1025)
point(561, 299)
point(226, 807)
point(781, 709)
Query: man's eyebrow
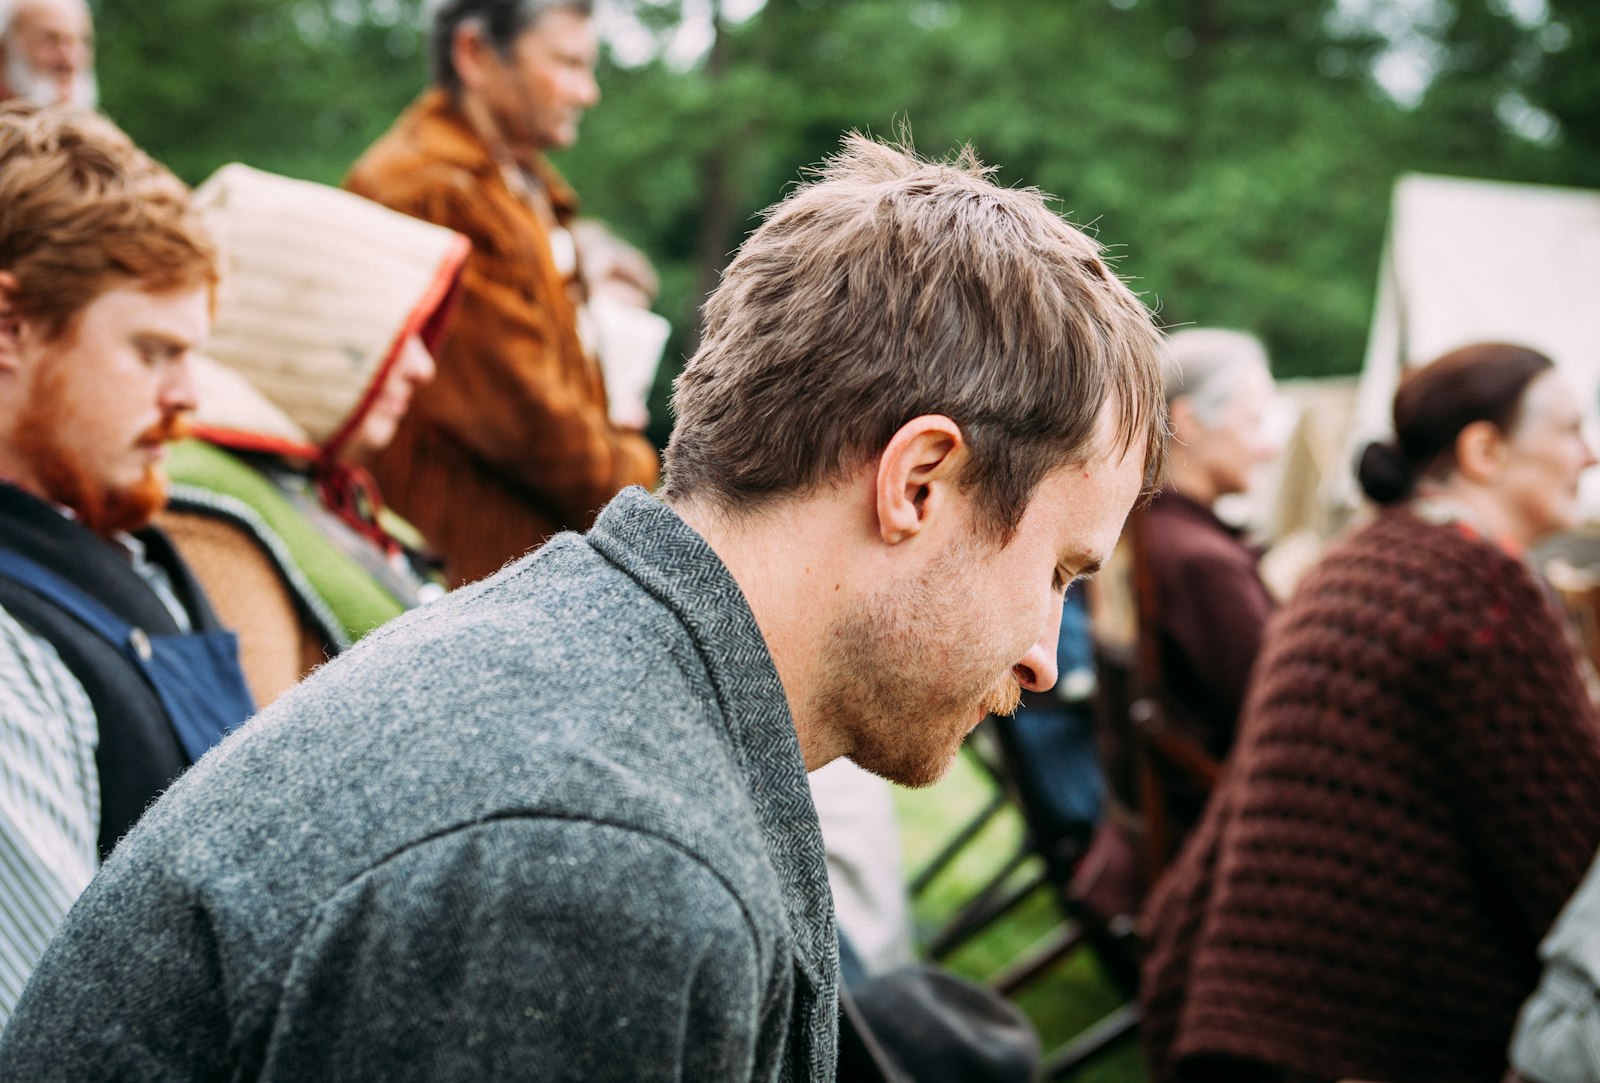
point(162, 340)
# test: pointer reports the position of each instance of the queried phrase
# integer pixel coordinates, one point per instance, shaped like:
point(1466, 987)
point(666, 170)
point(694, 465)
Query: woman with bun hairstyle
point(1415, 789)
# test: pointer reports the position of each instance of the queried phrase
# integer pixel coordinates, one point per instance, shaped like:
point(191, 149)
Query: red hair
point(83, 210)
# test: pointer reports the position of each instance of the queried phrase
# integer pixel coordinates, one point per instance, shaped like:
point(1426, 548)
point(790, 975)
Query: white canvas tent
point(1470, 261)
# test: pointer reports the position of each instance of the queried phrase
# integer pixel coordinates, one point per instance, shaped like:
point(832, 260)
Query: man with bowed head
point(557, 824)
point(114, 673)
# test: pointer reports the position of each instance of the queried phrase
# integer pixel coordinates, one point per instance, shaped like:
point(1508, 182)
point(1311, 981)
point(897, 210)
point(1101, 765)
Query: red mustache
point(174, 426)
point(1004, 698)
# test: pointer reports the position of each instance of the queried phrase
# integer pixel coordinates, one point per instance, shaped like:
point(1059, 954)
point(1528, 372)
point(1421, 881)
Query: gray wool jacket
point(553, 827)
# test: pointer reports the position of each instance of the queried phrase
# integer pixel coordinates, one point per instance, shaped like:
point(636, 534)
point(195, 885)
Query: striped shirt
point(49, 800)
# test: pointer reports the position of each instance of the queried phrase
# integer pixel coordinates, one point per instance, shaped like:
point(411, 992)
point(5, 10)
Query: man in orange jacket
point(512, 442)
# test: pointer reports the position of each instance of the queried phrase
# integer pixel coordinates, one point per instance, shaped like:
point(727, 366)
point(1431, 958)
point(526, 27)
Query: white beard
point(28, 82)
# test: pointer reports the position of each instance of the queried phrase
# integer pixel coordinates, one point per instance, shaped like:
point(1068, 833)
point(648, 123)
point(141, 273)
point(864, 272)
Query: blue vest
point(161, 696)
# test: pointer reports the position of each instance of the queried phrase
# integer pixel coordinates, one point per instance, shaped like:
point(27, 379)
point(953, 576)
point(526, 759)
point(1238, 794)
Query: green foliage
point(294, 86)
point(1236, 156)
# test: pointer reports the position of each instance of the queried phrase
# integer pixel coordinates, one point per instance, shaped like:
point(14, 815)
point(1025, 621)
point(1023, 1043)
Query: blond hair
point(889, 287)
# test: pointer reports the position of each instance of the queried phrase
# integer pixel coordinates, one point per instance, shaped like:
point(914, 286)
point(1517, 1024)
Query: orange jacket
point(511, 442)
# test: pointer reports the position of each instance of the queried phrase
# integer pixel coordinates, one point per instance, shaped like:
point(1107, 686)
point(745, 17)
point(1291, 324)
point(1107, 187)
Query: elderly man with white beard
point(47, 52)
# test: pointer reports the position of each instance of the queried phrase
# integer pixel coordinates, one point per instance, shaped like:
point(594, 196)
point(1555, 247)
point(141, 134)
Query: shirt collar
point(451, 139)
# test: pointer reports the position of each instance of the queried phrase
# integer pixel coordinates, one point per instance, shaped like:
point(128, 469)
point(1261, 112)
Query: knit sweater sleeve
point(525, 948)
point(1518, 741)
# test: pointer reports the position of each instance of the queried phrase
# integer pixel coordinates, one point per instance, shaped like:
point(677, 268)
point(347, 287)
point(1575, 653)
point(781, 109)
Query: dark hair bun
point(1384, 473)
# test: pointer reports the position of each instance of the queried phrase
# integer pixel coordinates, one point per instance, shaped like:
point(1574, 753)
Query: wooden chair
point(1141, 752)
point(1054, 857)
point(994, 746)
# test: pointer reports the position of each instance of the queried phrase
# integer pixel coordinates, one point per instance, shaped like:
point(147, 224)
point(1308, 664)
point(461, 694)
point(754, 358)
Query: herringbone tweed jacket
point(553, 827)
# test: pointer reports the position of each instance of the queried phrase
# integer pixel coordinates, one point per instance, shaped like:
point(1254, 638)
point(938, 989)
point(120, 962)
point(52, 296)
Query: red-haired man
point(114, 675)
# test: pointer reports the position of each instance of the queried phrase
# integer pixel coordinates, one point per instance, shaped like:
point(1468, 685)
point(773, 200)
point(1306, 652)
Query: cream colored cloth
point(319, 288)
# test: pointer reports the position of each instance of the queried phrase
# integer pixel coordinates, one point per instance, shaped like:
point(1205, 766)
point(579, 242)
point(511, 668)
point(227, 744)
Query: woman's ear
point(1480, 451)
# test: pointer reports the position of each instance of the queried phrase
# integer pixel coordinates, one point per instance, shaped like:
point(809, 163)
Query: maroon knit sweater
point(1414, 794)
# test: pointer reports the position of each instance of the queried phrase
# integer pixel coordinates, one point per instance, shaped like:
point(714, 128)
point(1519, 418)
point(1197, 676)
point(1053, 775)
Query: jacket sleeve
point(1517, 741)
point(1557, 1039)
point(49, 801)
point(509, 389)
point(526, 949)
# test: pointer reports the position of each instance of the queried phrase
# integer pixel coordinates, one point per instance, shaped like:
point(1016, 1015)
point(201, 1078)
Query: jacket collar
point(440, 125)
point(1170, 501)
point(649, 542)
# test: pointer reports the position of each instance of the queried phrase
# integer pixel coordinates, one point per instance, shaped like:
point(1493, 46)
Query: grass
point(1072, 995)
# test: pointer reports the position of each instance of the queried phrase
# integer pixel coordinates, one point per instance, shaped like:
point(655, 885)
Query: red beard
point(65, 479)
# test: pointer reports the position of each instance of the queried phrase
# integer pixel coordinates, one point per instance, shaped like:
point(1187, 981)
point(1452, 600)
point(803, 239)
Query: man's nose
point(69, 56)
point(586, 90)
point(1036, 670)
point(177, 390)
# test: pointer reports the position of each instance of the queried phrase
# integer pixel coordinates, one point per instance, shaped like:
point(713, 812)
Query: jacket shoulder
point(424, 161)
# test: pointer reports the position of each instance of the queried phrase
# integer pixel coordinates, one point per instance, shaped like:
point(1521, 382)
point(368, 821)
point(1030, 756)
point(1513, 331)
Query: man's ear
point(1480, 451)
point(11, 324)
point(471, 55)
point(916, 475)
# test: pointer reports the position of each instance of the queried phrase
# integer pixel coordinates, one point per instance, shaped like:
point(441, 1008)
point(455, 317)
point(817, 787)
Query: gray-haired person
point(47, 52)
point(513, 440)
point(1211, 602)
point(1210, 606)
point(556, 825)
